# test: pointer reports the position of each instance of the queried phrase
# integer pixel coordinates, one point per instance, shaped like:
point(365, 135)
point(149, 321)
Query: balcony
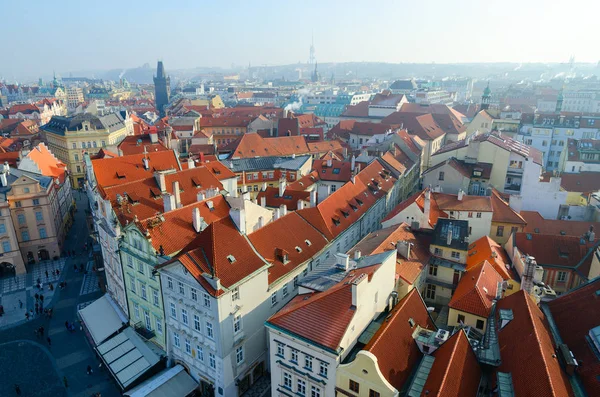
point(143, 331)
point(512, 188)
point(514, 171)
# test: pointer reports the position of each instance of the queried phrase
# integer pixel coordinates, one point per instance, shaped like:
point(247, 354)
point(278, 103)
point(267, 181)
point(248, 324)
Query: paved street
point(27, 359)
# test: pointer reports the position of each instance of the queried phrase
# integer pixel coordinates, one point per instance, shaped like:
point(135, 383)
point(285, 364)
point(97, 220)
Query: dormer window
point(298, 249)
point(231, 258)
point(308, 243)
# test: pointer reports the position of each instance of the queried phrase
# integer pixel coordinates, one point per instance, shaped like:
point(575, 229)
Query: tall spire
point(311, 56)
point(160, 70)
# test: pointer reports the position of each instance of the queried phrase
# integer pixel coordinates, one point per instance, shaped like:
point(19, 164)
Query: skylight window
point(231, 258)
point(298, 249)
point(308, 242)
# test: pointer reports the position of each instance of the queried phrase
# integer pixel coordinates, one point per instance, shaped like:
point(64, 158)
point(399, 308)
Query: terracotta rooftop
point(537, 224)
point(583, 182)
point(339, 171)
point(47, 164)
point(287, 243)
point(502, 211)
point(137, 144)
point(119, 170)
point(303, 316)
point(422, 125)
point(468, 170)
point(305, 182)
point(575, 315)
point(486, 249)
point(360, 110)
point(450, 202)
point(528, 352)
point(455, 371)
point(476, 290)
point(393, 344)
point(290, 197)
point(418, 199)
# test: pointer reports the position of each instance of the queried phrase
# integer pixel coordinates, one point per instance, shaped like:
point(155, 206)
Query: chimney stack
point(357, 255)
point(329, 162)
point(403, 248)
point(283, 210)
point(146, 163)
point(591, 234)
point(449, 235)
point(200, 196)
point(198, 221)
point(153, 137)
point(238, 215)
point(313, 198)
point(300, 205)
point(264, 186)
point(261, 222)
point(276, 214)
point(461, 194)
point(282, 186)
point(353, 163)
point(263, 202)
point(358, 284)
point(168, 202)
point(177, 194)
point(160, 180)
point(190, 162)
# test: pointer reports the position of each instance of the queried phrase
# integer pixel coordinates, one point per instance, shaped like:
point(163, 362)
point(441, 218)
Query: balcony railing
point(141, 329)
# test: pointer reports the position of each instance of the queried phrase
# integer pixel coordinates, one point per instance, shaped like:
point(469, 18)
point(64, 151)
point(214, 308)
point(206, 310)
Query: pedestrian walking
point(17, 390)
point(37, 296)
point(89, 370)
point(75, 267)
point(20, 304)
point(51, 287)
point(42, 330)
point(27, 316)
point(65, 382)
point(31, 312)
point(57, 272)
point(49, 341)
point(47, 274)
point(42, 299)
point(67, 325)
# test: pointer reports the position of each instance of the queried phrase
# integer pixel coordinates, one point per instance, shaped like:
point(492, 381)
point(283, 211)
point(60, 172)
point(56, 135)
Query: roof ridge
point(318, 296)
point(447, 367)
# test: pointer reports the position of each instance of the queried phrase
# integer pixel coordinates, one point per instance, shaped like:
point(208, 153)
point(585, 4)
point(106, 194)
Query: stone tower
point(162, 89)
point(486, 98)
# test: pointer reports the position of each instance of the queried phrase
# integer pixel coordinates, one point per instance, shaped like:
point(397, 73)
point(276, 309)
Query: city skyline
point(259, 33)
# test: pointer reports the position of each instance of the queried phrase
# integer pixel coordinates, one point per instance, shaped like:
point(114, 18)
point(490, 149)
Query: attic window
point(353, 207)
point(411, 322)
point(308, 243)
point(120, 175)
point(563, 233)
point(336, 221)
point(298, 249)
point(216, 171)
point(196, 182)
point(231, 258)
point(210, 205)
point(346, 214)
point(155, 192)
point(359, 202)
point(529, 237)
point(336, 170)
point(537, 230)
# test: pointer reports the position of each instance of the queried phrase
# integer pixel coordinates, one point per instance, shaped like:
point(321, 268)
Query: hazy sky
point(70, 35)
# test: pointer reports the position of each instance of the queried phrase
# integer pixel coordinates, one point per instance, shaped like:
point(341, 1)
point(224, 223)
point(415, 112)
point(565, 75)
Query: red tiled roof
point(102, 154)
point(290, 197)
point(575, 314)
point(419, 199)
point(502, 211)
point(177, 229)
point(251, 145)
point(305, 182)
point(371, 129)
point(340, 171)
point(270, 245)
point(527, 351)
point(119, 170)
point(486, 249)
point(347, 204)
point(25, 108)
point(455, 371)
point(476, 290)
point(287, 145)
point(583, 182)
point(361, 110)
point(225, 121)
point(393, 345)
point(46, 162)
point(564, 251)
point(464, 168)
point(303, 315)
point(12, 158)
point(210, 252)
point(450, 202)
point(137, 144)
point(422, 125)
point(537, 224)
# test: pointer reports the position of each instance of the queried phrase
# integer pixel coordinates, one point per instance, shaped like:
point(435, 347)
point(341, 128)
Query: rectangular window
point(354, 386)
point(21, 219)
point(194, 294)
point(301, 387)
point(132, 286)
point(433, 270)
point(479, 215)
point(479, 324)
point(188, 347)
point(6, 246)
point(373, 393)
point(323, 369)
point(159, 327)
point(235, 294)
point(197, 323)
point(211, 360)
point(430, 292)
point(170, 283)
point(155, 297)
point(209, 330)
point(287, 380)
point(562, 277)
point(130, 261)
point(500, 231)
point(43, 233)
point(136, 310)
point(274, 298)
point(441, 176)
point(455, 255)
point(2, 228)
point(295, 281)
point(147, 320)
point(315, 391)
point(181, 288)
point(176, 340)
point(285, 290)
point(308, 363)
point(239, 355)
point(281, 349)
point(140, 267)
point(18, 204)
point(143, 290)
point(294, 357)
point(173, 310)
point(470, 215)
point(199, 353)
point(460, 319)
point(206, 300)
point(36, 201)
point(184, 316)
point(437, 251)
point(237, 323)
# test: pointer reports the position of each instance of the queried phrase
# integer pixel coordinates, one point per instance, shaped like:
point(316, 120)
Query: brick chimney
point(168, 202)
point(177, 194)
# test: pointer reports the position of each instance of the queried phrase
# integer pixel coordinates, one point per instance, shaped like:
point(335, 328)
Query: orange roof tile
point(46, 162)
point(455, 371)
point(119, 170)
point(269, 244)
point(137, 144)
point(575, 314)
point(537, 224)
point(476, 290)
point(290, 197)
point(527, 350)
point(450, 202)
point(393, 345)
point(339, 171)
point(305, 182)
point(419, 199)
point(502, 211)
point(486, 249)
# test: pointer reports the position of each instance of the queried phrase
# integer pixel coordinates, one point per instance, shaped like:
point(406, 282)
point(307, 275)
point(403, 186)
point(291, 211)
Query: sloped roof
point(419, 199)
point(486, 249)
point(47, 164)
point(137, 144)
point(465, 169)
point(360, 110)
point(393, 344)
point(450, 202)
point(476, 290)
point(537, 224)
point(422, 125)
point(270, 245)
point(583, 182)
point(455, 371)
point(502, 211)
point(339, 171)
point(574, 315)
point(290, 197)
point(527, 351)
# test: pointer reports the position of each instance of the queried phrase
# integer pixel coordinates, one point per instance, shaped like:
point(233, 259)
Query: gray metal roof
point(58, 124)
point(267, 163)
point(421, 376)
